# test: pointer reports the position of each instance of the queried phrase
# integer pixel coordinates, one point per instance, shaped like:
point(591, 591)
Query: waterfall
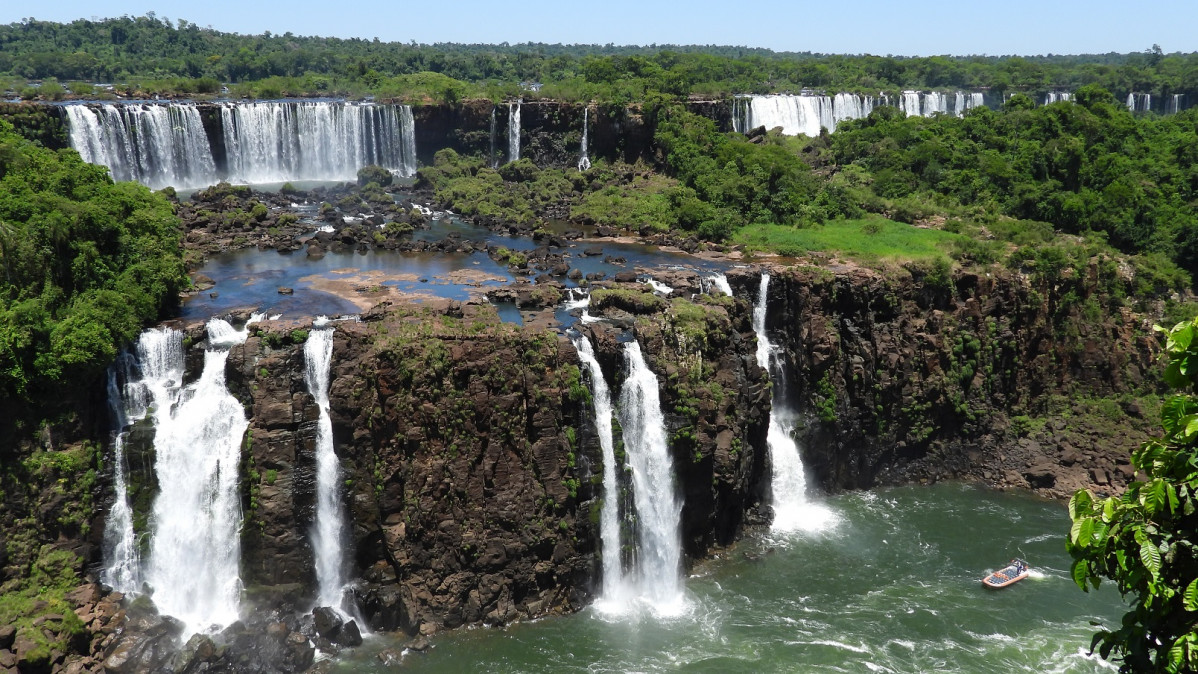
point(659, 544)
point(513, 131)
point(328, 534)
point(1056, 97)
point(720, 281)
point(1176, 103)
point(278, 141)
point(909, 103)
point(268, 141)
point(584, 162)
point(1139, 102)
point(195, 552)
point(494, 159)
point(788, 484)
point(156, 145)
point(139, 383)
point(609, 516)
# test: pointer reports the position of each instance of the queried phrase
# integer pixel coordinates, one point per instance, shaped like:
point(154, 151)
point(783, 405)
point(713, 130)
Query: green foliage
point(84, 264)
point(1090, 169)
point(871, 239)
point(1144, 540)
point(188, 58)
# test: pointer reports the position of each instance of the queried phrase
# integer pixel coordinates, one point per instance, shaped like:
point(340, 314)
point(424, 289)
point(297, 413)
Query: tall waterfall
point(609, 517)
point(792, 510)
point(195, 552)
point(139, 383)
point(513, 131)
point(1176, 103)
point(658, 508)
point(276, 141)
point(329, 531)
point(156, 145)
point(584, 162)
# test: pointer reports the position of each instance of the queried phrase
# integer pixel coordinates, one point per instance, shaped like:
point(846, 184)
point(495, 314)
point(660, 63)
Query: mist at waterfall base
point(895, 587)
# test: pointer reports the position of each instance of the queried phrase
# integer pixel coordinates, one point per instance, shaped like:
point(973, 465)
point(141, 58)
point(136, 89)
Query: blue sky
point(901, 27)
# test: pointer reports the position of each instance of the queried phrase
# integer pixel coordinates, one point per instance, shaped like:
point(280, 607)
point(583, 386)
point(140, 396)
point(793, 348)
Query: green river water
point(892, 585)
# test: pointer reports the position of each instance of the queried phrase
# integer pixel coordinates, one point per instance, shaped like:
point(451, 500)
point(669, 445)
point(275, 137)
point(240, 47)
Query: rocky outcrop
point(999, 378)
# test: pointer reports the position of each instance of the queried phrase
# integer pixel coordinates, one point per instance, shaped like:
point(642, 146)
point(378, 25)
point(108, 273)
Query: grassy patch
point(869, 239)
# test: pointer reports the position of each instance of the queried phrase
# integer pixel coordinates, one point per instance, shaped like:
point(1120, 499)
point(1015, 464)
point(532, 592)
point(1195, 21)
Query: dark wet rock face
point(995, 379)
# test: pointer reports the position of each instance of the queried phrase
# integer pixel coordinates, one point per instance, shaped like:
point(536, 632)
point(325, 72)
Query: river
point(891, 585)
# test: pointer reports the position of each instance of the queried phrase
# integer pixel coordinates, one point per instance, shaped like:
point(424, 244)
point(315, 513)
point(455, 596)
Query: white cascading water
point(137, 384)
point(584, 162)
point(792, 509)
point(195, 551)
point(609, 516)
point(720, 281)
point(909, 103)
point(1175, 104)
point(276, 141)
point(156, 145)
point(329, 532)
point(1056, 97)
point(162, 145)
point(513, 131)
point(658, 286)
point(1139, 102)
point(658, 508)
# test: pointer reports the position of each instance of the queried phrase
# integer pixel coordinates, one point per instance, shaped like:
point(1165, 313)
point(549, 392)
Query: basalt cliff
point(471, 465)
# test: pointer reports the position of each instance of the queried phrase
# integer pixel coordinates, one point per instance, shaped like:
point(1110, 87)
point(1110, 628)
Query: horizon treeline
point(182, 57)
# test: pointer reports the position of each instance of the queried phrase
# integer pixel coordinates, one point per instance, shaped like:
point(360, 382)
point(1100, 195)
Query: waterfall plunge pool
point(893, 585)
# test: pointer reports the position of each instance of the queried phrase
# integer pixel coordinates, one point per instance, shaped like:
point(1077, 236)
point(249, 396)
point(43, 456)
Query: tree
point(1146, 540)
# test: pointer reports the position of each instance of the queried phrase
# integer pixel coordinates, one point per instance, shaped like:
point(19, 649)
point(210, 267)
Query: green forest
point(149, 55)
point(85, 263)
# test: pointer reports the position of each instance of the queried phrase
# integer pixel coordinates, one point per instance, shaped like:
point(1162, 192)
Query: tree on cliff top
point(84, 264)
point(1146, 540)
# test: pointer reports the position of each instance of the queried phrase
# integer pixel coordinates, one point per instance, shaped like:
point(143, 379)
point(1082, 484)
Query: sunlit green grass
point(872, 239)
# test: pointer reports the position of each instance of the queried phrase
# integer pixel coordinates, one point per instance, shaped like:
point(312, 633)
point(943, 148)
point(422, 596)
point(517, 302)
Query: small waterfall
point(494, 158)
point(720, 281)
point(658, 286)
point(584, 162)
point(792, 510)
point(329, 532)
point(156, 145)
point(659, 544)
point(609, 516)
point(1176, 103)
point(195, 552)
point(1057, 96)
point(513, 131)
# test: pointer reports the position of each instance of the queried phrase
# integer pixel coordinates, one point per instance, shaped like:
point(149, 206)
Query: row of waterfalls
point(171, 144)
point(162, 145)
point(192, 552)
point(809, 113)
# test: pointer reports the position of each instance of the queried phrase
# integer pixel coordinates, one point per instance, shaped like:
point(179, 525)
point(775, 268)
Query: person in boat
point(1020, 566)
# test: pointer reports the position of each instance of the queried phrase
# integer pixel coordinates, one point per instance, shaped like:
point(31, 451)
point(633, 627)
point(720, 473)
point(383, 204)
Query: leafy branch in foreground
point(1144, 540)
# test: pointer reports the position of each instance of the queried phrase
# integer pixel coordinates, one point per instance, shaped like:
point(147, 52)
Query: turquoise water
point(894, 585)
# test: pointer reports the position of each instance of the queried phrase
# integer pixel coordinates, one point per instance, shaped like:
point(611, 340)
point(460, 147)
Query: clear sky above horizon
point(911, 27)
